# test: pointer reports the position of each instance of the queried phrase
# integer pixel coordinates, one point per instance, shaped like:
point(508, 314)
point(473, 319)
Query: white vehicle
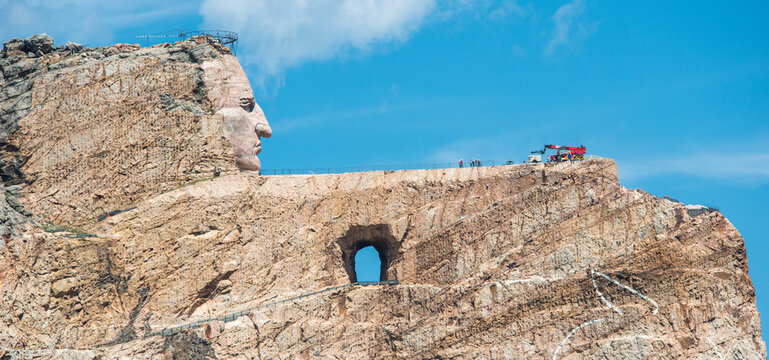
point(533, 159)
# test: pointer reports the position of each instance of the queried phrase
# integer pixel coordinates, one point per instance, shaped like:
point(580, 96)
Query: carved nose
point(263, 130)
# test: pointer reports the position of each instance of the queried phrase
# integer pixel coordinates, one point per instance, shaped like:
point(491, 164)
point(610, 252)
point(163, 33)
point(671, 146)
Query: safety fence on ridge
point(420, 166)
point(113, 213)
point(234, 316)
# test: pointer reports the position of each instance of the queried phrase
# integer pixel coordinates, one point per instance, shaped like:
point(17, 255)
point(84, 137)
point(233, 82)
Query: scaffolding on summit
point(224, 37)
point(694, 210)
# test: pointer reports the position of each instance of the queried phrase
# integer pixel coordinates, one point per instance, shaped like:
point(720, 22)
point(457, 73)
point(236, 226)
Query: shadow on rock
point(188, 345)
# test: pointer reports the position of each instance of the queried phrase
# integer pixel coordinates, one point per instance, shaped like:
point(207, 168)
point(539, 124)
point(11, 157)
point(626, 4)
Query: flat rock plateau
point(533, 261)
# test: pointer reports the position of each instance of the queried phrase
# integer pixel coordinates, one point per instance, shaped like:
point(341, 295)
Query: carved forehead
point(225, 79)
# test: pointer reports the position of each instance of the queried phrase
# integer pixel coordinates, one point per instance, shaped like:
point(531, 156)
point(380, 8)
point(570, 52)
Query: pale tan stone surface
point(525, 261)
point(88, 131)
point(244, 122)
point(494, 262)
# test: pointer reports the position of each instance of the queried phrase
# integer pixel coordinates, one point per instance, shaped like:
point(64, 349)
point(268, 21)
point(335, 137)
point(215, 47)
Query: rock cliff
point(89, 131)
point(540, 261)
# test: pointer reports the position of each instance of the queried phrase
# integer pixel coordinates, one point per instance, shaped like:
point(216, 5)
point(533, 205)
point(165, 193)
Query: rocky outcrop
point(13, 216)
point(39, 44)
point(89, 131)
point(120, 240)
point(522, 261)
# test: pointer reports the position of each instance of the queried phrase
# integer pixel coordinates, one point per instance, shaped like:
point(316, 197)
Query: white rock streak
point(595, 286)
point(715, 348)
point(593, 274)
point(530, 280)
point(558, 349)
point(628, 288)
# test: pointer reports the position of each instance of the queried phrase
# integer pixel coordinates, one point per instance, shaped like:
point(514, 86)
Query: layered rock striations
point(88, 131)
point(540, 261)
point(516, 261)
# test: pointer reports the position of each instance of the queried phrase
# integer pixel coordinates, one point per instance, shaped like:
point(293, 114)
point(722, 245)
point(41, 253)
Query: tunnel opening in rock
point(358, 240)
point(368, 264)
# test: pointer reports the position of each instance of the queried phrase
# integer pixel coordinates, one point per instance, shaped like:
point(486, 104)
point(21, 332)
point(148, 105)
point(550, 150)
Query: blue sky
point(677, 92)
point(367, 264)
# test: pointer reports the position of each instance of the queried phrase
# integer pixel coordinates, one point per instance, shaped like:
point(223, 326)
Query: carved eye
point(247, 104)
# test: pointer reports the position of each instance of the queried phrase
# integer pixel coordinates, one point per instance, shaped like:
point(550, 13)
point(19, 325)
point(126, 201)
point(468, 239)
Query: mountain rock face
point(535, 261)
point(521, 261)
point(89, 131)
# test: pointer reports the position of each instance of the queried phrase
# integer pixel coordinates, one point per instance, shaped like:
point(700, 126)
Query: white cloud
point(337, 117)
point(482, 9)
point(92, 22)
point(276, 35)
point(565, 19)
point(324, 119)
point(737, 167)
point(508, 8)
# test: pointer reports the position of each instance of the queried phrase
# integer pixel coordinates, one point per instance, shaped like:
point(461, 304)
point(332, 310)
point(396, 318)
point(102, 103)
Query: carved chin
point(248, 163)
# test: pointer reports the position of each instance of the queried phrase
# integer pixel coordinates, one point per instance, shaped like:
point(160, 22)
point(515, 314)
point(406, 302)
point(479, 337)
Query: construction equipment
point(563, 153)
point(533, 159)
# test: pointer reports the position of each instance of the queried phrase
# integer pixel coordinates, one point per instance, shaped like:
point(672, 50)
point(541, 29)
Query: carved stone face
point(244, 123)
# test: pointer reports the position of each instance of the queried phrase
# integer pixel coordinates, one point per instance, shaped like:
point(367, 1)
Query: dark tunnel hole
point(360, 237)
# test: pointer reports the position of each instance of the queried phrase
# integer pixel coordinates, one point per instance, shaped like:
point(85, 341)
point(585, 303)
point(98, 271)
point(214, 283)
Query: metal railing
point(234, 316)
point(224, 37)
point(113, 213)
point(72, 234)
point(706, 210)
point(395, 167)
